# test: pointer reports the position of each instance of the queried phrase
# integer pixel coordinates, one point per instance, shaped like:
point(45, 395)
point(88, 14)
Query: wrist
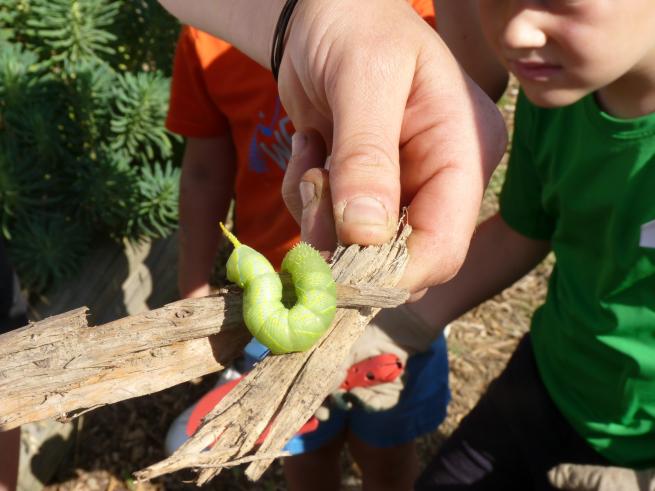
point(280, 35)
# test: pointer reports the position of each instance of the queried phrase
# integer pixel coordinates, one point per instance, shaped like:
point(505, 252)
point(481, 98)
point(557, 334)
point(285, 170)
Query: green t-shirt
point(586, 181)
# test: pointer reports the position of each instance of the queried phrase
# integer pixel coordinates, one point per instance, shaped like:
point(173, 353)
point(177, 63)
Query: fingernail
point(328, 161)
point(298, 142)
point(307, 191)
point(365, 210)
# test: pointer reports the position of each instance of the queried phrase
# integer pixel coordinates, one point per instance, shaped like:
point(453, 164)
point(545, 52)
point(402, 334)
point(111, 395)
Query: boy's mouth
point(537, 71)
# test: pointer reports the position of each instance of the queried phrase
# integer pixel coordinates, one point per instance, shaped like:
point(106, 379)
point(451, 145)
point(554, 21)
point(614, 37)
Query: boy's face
point(562, 50)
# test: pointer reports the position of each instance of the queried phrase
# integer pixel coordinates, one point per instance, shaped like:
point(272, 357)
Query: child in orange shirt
point(238, 145)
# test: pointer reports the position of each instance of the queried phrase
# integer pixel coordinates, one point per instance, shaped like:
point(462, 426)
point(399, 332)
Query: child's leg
point(510, 440)
point(318, 470)
point(385, 469)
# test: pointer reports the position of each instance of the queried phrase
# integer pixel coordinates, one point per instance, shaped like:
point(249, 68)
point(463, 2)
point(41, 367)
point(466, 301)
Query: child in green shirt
point(580, 387)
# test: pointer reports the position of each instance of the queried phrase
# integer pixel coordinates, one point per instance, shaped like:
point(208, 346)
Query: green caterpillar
point(312, 296)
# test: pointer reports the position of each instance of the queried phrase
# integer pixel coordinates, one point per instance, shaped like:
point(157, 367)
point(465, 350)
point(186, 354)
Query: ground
point(116, 440)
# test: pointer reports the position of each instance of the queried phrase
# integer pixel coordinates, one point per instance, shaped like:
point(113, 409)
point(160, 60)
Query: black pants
point(13, 308)
point(511, 438)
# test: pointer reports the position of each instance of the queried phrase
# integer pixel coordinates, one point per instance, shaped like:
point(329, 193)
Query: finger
point(317, 222)
point(364, 173)
point(452, 139)
point(442, 225)
point(307, 151)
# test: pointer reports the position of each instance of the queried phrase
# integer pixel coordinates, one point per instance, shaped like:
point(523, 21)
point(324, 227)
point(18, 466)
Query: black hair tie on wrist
point(279, 34)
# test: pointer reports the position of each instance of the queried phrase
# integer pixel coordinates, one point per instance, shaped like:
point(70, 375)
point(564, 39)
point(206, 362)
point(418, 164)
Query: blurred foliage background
point(84, 155)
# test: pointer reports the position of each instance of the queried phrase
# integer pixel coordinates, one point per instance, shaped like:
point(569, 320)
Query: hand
point(397, 332)
point(574, 477)
point(404, 127)
point(404, 124)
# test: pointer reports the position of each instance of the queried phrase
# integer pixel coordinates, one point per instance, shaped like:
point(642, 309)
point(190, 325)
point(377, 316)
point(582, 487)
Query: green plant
point(84, 154)
point(157, 203)
point(46, 249)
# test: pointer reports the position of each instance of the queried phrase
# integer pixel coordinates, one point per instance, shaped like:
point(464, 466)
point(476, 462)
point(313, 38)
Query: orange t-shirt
point(216, 89)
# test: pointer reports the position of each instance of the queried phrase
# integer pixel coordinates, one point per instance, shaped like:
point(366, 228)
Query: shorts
point(421, 409)
point(511, 438)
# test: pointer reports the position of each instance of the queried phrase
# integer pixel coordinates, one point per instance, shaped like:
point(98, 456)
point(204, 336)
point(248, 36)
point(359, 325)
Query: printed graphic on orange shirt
point(270, 145)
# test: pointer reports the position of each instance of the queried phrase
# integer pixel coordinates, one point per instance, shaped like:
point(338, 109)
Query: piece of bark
point(286, 390)
point(60, 367)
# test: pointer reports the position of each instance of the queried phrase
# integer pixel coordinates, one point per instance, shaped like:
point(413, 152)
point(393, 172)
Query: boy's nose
point(523, 31)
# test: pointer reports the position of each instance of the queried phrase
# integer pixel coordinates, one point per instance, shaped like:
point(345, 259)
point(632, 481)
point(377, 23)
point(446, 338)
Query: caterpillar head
point(244, 263)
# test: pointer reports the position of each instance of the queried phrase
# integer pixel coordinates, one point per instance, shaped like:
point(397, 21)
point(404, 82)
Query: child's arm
point(458, 22)
point(497, 257)
point(206, 189)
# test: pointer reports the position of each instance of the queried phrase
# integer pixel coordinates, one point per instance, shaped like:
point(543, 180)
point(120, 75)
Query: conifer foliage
point(84, 155)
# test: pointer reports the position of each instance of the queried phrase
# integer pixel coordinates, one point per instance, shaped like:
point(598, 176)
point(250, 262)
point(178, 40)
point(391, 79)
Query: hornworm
point(311, 295)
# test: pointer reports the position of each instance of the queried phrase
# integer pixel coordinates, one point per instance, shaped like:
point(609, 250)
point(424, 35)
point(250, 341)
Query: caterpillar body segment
point(245, 263)
point(282, 329)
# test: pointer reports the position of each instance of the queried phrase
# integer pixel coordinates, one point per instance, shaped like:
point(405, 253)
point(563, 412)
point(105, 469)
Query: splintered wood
point(60, 367)
point(285, 390)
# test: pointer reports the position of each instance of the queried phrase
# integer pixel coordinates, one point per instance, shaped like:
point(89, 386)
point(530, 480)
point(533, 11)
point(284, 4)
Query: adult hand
point(574, 477)
point(402, 122)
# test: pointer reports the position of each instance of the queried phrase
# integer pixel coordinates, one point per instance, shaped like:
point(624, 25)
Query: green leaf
point(46, 249)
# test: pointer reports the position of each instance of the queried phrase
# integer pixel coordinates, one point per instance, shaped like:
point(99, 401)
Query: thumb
point(364, 170)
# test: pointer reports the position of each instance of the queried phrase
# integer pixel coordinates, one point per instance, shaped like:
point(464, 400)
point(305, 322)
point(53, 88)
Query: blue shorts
point(421, 409)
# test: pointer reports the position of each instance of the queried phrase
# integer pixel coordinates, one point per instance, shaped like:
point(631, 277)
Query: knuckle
point(367, 152)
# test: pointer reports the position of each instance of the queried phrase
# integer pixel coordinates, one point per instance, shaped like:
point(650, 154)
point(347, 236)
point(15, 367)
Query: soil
point(114, 441)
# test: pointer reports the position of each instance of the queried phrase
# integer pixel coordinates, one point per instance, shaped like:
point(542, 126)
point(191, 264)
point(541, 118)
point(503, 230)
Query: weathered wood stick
point(285, 390)
point(60, 367)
